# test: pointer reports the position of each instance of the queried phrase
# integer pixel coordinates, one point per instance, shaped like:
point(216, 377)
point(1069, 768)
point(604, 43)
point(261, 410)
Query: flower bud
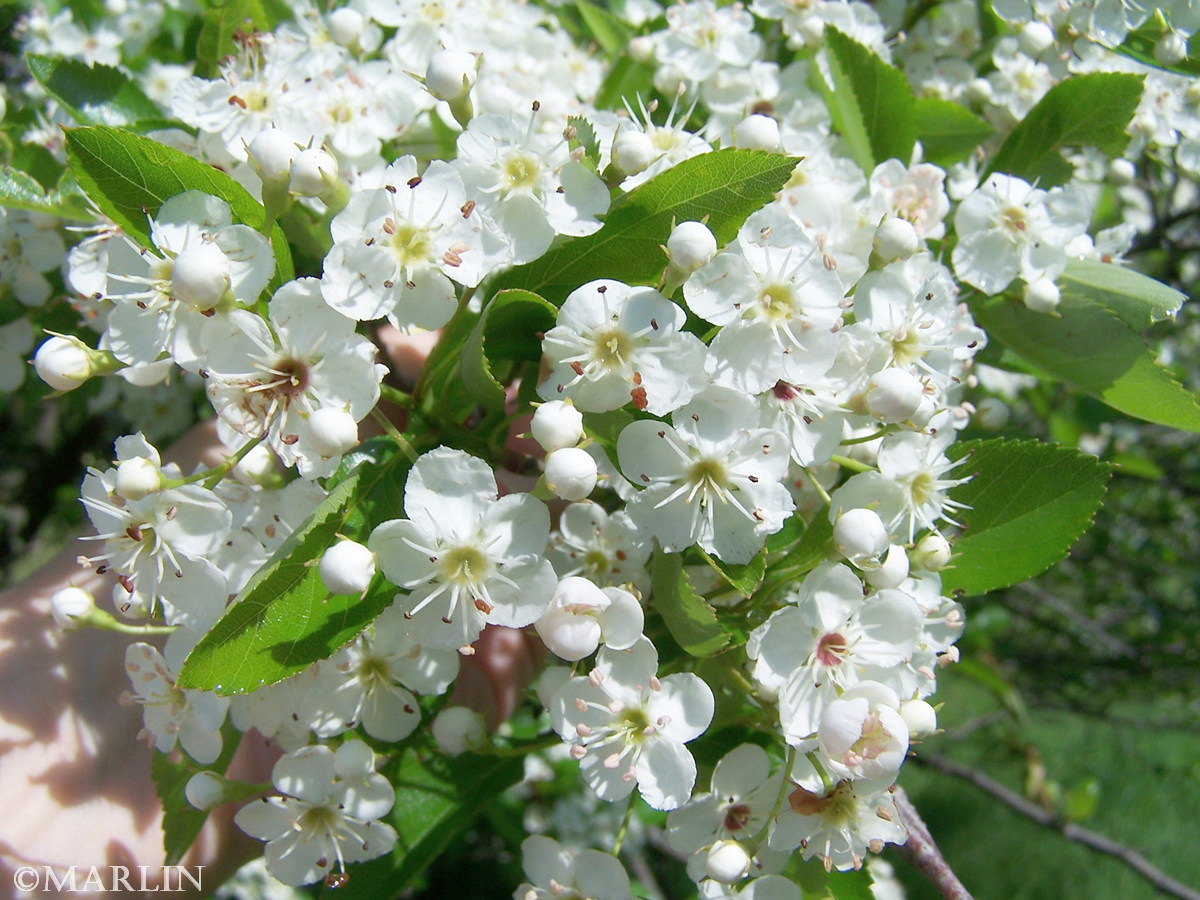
point(65, 363)
point(895, 239)
point(633, 151)
point(859, 534)
point(256, 467)
point(570, 628)
point(727, 862)
point(991, 413)
point(314, 172)
point(641, 49)
point(556, 424)
point(70, 606)
point(691, 245)
point(571, 473)
point(137, 477)
point(457, 729)
point(347, 568)
point(757, 132)
point(451, 73)
point(919, 716)
point(979, 91)
point(1035, 38)
point(1171, 49)
point(345, 26)
point(1121, 172)
point(271, 154)
point(931, 554)
point(893, 395)
point(1042, 296)
point(205, 790)
point(891, 573)
point(332, 431)
point(200, 276)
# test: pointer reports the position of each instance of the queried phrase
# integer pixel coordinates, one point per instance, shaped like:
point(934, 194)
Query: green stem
point(736, 674)
point(817, 485)
point(784, 788)
point(545, 743)
point(395, 396)
point(215, 476)
point(852, 464)
point(394, 433)
point(826, 781)
point(624, 829)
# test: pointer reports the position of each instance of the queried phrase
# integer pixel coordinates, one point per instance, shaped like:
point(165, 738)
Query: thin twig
point(1072, 832)
point(922, 852)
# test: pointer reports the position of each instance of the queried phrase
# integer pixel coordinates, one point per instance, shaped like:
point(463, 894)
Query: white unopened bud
point(919, 716)
point(1036, 38)
point(138, 477)
point(271, 154)
point(200, 276)
point(256, 467)
point(932, 553)
point(571, 473)
point(633, 151)
point(691, 245)
point(556, 424)
point(1171, 49)
point(1042, 296)
point(314, 171)
point(345, 26)
point(979, 91)
point(727, 862)
point(1121, 172)
point(332, 431)
point(70, 606)
point(64, 363)
point(895, 239)
point(205, 790)
point(859, 534)
point(893, 395)
point(451, 73)
point(757, 132)
point(641, 49)
point(991, 413)
point(891, 573)
point(569, 635)
point(457, 729)
point(347, 568)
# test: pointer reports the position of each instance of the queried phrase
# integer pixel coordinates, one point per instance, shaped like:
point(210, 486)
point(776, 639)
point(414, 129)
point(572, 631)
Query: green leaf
point(725, 185)
point(1028, 502)
point(506, 330)
point(850, 885)
point(872, 103)
point(1139, 45)
point(1091, 347)
point(285, 618)
point(1083, 111)
point(94, 95)
point(814, 546)
point(129, 177)
point(182, 822)
point(692, 622)
point(21, 191)
point(626, 78)
point(948, 132)
point(742, 577)
point(610, 33)
point(436, 799)
point(221, 23)
point(1139, 301)
point(585, 139)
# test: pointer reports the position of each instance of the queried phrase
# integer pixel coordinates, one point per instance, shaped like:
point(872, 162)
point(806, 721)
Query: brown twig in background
point(1072, 832)
point(923, 854)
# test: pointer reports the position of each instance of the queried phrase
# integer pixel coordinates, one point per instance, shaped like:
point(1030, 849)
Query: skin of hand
point(72, 772)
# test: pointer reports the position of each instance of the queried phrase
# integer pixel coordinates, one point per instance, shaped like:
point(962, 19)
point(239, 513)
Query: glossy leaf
point(94, 95)
point(285, 619)
point(726, 185)
point(1091, 347)
point(1084, 111)
point(742, 577)
point(609, 32)
point(1139, 301)
point(692, 622)
point(1028, 502)
point(129, 177)
point(21, 191)
point(948, 131)
point(506, 330)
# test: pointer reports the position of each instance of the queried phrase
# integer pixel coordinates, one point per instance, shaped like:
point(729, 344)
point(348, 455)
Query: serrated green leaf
point(585, 139)
point(129, 177)
point(948, 132)
point(814, 545)
point(692, 622)
point(436, 799)
point(1027, 503)
point(850, 885)
point(742, 577)
point(1139, 301)
point(1089, 346)
point(725, 185)
point(1139, 45)
point(609, 32)
point(21, 191)
point(182, 822)
point(506, 330)
point(94, 95)
point(1083, 111)
point(285, 618)
point(872, 103)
